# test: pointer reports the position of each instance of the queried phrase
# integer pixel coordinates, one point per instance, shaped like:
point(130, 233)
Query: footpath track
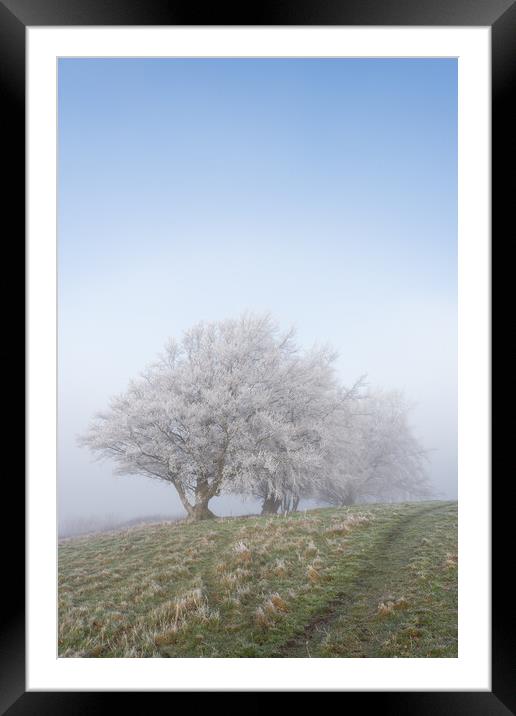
point(354, 608)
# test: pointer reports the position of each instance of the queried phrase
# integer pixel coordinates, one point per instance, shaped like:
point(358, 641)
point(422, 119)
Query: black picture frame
point(15, 16)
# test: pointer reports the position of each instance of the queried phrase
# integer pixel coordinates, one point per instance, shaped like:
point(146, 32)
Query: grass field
point(365, 581)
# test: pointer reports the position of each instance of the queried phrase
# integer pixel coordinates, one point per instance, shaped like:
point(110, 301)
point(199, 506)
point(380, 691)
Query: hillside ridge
point(368, 580)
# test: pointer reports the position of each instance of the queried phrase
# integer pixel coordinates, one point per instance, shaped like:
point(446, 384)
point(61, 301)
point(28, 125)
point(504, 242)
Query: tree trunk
point(271, 506)
point(348, 499)
point(200, 511)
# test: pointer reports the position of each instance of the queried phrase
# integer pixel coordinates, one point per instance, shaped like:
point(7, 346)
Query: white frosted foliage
point(237, 407)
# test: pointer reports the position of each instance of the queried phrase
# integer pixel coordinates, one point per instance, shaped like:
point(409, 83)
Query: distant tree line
point(237, 407)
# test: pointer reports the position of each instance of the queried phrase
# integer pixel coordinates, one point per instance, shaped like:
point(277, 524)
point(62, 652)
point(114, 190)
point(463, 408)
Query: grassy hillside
point(366, 581)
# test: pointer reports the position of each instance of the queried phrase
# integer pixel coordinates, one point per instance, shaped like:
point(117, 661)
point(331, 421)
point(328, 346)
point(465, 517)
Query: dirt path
point(358, 601)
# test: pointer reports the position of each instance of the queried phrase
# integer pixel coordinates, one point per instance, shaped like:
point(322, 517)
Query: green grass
point(364, 581)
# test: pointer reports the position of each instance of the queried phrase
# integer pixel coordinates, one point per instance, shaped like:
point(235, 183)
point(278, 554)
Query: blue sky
point(323, 190)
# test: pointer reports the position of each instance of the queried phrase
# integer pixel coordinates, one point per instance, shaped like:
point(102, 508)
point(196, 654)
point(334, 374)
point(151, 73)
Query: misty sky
point(324, 191)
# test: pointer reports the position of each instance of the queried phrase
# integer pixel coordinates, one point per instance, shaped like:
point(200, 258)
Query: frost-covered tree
point(316, 415)
point(377, 455)
point(233, 407)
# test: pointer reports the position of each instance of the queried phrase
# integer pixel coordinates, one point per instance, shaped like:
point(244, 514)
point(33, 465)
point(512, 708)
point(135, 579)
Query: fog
point(323, 193)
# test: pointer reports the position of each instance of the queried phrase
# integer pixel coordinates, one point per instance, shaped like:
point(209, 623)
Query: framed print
point(260, 246)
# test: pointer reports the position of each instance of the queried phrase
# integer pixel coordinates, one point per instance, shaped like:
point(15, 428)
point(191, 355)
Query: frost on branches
point(237, 407)
point(380, 459)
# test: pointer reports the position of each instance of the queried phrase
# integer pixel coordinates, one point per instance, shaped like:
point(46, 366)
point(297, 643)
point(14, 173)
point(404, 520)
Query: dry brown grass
point(234, 578)
point(180, 590)
point(390, 605)
point(261, 618)
point(312, 574)
point(242, 553)
point(311, 549)
point(451, 560)
point(278, 602)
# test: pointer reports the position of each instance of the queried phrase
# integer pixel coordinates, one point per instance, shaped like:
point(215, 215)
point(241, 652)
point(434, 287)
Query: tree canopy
point(236, 406)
